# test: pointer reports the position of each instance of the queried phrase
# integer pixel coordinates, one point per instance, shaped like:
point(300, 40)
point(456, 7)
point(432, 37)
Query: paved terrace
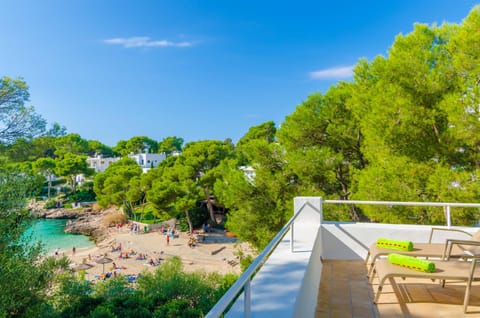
point(345, 292)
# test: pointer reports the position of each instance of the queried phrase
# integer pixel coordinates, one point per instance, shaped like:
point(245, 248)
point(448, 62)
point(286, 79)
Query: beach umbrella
point(104, 260)
point(82, 267)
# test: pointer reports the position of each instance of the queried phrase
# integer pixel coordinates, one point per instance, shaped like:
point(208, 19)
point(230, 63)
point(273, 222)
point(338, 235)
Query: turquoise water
point(50, 232)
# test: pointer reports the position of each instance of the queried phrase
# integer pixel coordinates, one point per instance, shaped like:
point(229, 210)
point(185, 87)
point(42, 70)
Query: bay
point(51, 233)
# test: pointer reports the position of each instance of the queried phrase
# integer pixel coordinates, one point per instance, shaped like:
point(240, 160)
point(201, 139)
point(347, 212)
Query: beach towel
point(412, 262)
point(395, 244)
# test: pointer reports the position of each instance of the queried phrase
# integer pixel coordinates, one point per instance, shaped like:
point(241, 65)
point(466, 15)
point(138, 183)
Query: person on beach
point(73, 251)
point(168, 239)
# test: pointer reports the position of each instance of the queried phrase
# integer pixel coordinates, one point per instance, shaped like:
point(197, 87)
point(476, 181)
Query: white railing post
point(292, 237)
point(247, 300)
point(321, 210)
point(449, 219)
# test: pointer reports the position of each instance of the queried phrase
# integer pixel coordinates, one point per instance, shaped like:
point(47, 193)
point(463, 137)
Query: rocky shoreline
point(85, 221)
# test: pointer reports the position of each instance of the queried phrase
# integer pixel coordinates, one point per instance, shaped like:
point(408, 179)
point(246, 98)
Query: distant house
point(100, 164)
point(145, 160)
point(148, 160)
point(249, 172)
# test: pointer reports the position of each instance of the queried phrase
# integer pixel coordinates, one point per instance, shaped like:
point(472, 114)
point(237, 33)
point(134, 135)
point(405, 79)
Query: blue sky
point(111, 70)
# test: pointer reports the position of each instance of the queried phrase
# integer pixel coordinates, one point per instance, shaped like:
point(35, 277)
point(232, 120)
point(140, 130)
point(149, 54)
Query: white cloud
point(145, 41)
point(333, 73)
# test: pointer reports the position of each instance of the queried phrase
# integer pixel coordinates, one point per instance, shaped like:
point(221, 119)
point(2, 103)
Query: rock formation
point(85, 221)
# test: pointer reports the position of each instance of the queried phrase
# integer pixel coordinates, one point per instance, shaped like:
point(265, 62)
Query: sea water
point(51, 233)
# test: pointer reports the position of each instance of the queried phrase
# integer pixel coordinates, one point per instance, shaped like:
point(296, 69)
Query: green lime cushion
point(395, 244)
point(412, 262)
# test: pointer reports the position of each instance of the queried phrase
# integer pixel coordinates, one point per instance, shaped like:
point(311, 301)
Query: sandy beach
point(215, 254)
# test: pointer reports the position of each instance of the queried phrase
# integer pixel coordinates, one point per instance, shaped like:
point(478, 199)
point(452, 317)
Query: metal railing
point(243, 281)
point(445, 205)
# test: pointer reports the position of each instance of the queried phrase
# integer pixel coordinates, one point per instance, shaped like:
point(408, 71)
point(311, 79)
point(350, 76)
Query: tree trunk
point(49, 185)
point(345, 194)
point(190, 226)
point(209, 205)
point(132, 209)
point(144, 202)
point(73, 184)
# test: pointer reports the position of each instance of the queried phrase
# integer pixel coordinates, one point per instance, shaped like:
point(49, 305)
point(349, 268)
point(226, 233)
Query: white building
point(100, 164)
point(249, 172)
point(148, 160)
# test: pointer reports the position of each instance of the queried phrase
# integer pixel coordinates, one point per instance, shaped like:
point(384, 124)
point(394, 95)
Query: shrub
point(198, 216)
point(82, 196)
point(113, 219)
point(51, 204)
point(103, 312)
point(246, 261)
point(84, 193)
point(58, 182)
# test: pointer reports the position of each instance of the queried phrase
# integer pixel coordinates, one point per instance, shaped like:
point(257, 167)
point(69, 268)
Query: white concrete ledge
point(287, 284)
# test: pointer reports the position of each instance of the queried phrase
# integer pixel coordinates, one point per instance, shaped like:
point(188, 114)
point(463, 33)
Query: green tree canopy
point(56, 130)
point(113, 185)
point(46, 167)
point(190, 178)
point(25, 274)
point(170, 144)
point(258, 207)
point(95, 147)
point(137, 144)
point(71, 165)
point(71, 144)
point(16, 119)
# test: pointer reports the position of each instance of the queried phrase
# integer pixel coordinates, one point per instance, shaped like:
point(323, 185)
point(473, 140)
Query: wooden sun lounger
point(428, 250)
point(445, 270)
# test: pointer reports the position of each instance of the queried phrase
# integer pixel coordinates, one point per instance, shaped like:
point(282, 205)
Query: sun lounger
point(444, 270)
point(428, 250)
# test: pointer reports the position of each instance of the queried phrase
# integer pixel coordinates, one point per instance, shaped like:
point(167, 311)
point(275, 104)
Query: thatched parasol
point(104, 260)
point(82, 267)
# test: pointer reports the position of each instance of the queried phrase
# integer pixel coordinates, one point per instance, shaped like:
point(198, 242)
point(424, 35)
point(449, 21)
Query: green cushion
point(395, 244)
point(412, 262)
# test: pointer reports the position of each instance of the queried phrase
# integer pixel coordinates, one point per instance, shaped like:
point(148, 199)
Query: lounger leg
point(368, 256)
point(370, 270)
point(371, 275)
point(469, 286)
point(467, 297)
point(372, 267)
point(379, 291)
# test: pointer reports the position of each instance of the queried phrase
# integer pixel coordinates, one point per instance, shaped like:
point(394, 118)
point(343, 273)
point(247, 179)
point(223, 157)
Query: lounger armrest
point(463, 242)
point(433, 229)
point(450, 242)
